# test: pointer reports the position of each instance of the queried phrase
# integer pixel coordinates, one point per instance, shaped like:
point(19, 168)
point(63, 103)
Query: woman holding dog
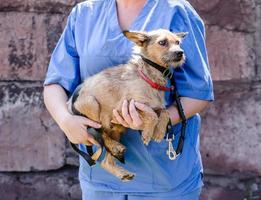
point(92, 41)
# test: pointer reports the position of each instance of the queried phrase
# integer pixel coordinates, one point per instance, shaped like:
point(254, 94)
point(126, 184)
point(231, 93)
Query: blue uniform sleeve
point(193, 78)
point(63, 68)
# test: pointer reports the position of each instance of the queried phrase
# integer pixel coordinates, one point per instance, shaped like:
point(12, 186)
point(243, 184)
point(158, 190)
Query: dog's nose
point(178, 54)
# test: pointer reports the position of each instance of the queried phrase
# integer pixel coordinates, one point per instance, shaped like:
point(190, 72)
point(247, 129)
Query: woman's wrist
point(62, 117)
point(173, 115)
point(55, 99)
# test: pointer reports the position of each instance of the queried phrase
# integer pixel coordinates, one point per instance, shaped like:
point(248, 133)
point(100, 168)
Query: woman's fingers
point(86, 137)
point(87, 143)
point(90, 140)
point(125, 112)
point(130, 116)
point(88, 122)
point(75, 128)
point(136, 120)
point(119, 118)
point(144, 107)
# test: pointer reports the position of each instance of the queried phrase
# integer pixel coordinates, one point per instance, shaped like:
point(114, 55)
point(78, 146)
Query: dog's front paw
point(146, 138)
point(160, 130)
point(159, 133)
point(158, 136)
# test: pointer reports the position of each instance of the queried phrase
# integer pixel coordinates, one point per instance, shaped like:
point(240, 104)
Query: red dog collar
point(153, 84)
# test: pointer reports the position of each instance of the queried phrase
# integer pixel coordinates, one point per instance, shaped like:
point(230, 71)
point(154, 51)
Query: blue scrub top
point(92, 41)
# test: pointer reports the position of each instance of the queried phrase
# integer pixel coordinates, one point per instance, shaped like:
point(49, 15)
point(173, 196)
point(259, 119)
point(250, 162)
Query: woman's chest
point(100, 42)
point(100, 46)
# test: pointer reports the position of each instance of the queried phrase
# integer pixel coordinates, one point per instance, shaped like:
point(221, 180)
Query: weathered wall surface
point(33, 152)
point(231, 128)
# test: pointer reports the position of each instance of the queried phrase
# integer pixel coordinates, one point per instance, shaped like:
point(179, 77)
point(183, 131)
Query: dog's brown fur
point(107, 90)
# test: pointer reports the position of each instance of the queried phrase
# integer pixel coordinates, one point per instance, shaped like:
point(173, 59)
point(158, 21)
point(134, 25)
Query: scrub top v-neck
point(92, 41)
point(115, 25)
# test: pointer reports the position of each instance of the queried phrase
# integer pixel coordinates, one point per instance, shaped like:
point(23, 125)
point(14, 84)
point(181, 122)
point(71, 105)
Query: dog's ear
point(140, 38)
point(182, 34)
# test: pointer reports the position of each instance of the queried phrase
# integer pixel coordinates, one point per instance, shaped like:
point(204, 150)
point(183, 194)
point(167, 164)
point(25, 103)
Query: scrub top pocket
point(179, 169)
point(136, 161)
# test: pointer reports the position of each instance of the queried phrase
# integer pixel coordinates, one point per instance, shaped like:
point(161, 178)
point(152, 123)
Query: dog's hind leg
point(114, 147)
point(160, 129)
point(110, 165)
point(88, 106)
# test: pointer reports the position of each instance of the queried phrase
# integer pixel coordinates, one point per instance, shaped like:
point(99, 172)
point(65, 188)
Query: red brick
point(30, 140)
point(218, 193)
point(258, 42)
point(53, 6)
point(55, 185)
point(231, 54)
point(231, 128)
point(237, 15)
point(26, 41)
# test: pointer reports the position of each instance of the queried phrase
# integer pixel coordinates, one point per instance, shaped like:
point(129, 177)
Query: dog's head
point(160, 46)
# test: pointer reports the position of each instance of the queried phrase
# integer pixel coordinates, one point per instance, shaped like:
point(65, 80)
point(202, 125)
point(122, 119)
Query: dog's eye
point(177, 42)
point(163, 42)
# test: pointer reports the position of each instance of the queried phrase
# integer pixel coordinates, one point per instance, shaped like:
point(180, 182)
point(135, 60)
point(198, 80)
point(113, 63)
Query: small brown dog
point(102, 93)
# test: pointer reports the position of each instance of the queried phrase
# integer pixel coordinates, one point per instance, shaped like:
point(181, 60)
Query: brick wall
point(35, 161)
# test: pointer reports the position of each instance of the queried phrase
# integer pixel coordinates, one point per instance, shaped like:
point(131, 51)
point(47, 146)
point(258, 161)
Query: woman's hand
point(75, 128)
point(130, 116)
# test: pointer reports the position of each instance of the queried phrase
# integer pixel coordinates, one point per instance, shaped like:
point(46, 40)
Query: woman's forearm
point(55, 100)
point(190, 106)
point(58, 108)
